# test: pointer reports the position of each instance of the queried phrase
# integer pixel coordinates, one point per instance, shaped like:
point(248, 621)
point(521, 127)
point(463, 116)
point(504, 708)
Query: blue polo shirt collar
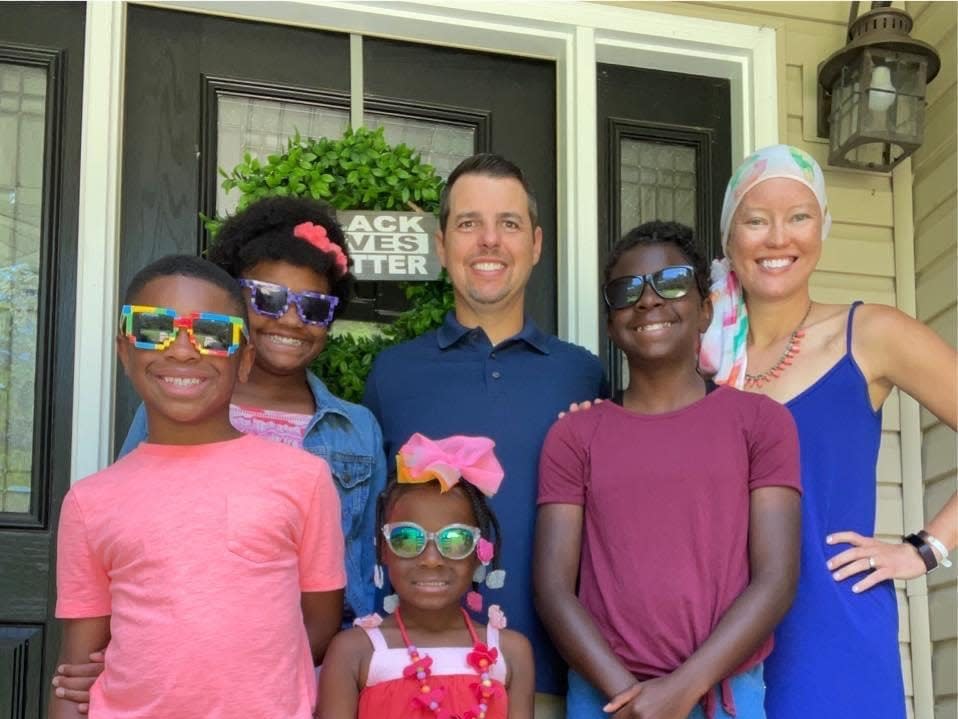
point(452, 331)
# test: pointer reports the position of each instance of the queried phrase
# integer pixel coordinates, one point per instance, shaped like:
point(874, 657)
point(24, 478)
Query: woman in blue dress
point(836, 654)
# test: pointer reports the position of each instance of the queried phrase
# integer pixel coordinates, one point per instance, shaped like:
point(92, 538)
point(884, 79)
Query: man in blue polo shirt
point(490, 371)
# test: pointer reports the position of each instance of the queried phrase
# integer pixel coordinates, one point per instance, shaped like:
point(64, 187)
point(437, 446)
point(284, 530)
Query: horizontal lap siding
point(935, 168)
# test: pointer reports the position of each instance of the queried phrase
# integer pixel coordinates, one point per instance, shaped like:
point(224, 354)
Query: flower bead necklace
point(431, 696)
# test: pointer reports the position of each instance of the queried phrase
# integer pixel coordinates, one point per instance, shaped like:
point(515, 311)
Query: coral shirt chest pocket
point(260, 529)
point(352, 474)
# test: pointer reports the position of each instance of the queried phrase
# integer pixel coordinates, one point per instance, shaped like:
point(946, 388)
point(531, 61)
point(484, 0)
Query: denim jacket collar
point(326, 401)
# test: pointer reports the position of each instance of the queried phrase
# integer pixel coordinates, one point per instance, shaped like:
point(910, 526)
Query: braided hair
point(486, 519)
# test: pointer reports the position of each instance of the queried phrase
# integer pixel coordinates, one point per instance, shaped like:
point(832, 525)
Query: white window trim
point(576, 35)
point(98, 251)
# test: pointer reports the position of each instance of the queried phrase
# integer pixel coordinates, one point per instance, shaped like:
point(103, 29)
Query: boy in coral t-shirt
point(205, 559)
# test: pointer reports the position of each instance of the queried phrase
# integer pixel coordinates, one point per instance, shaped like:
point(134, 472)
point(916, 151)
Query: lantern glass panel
point(893, 108)
point(846, 100)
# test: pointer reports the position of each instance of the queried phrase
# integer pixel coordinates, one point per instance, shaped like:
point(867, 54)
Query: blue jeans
point(748, 688)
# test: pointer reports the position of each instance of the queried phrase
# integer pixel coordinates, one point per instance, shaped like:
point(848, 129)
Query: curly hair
point(264, 232)
point(657, 232)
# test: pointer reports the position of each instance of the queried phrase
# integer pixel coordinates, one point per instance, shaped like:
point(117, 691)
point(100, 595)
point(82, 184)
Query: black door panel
point(665, 153)
point(519, 97)
point(169, 56)
point(41, 51)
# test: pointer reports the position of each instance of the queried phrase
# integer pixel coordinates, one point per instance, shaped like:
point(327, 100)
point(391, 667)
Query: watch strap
point(924, 551)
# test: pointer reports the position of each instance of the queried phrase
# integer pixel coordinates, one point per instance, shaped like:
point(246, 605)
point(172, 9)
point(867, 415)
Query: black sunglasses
point(271, 300)
point(669, 283)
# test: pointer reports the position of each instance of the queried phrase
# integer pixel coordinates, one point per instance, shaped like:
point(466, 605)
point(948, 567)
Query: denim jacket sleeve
point(348, 437)
point(370, 530)
point(362, 594)
point(136, 434)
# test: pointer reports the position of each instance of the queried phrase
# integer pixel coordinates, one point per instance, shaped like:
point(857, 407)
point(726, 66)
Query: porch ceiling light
point(871, 93)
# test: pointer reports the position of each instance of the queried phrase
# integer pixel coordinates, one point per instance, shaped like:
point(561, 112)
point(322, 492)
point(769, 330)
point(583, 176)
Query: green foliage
point(361, 171)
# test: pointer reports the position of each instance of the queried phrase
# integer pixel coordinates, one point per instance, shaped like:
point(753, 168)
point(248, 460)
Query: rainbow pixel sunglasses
point(156, 328)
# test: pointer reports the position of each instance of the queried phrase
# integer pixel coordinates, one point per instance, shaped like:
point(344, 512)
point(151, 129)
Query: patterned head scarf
point(723, 350)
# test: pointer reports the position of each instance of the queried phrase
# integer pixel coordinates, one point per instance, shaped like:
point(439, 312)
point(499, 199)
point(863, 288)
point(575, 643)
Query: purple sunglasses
point(271, 300)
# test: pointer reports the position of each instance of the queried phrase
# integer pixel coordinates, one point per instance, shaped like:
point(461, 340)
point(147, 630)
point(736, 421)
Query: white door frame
point(576, 35)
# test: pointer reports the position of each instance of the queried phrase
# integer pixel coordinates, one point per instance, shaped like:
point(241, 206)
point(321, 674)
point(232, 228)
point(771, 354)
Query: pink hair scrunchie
point(317, 236)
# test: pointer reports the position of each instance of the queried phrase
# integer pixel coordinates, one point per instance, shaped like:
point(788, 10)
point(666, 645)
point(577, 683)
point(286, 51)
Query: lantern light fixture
point(871, 93)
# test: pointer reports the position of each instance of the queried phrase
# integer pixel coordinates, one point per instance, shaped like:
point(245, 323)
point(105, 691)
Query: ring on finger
point(871, 562)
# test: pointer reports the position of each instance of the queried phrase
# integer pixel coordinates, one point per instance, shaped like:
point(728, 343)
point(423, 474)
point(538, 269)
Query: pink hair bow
point(316, 236)
point(449, 460)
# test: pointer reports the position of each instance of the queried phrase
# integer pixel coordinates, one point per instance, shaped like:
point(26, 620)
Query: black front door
point(512, 101)
point(665, 153)
point(201, 90)
point(41, 76)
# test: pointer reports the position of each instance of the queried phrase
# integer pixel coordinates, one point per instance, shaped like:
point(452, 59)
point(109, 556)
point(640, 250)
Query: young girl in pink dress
point(436, 538)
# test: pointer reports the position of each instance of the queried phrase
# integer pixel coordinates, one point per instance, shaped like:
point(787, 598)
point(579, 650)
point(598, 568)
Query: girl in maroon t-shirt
point(674, 510)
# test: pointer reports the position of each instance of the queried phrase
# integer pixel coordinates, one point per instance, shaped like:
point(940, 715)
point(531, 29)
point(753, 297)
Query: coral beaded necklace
point(431, 695)
point(792, 348)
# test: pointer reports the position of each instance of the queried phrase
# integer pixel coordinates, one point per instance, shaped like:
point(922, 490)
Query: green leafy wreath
point(360, 171)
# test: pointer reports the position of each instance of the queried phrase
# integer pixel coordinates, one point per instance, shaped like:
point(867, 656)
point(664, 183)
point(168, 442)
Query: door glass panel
point(442, 146)
point(439, 144)
point(657, 183)
point(262, 128)
point(22, 125)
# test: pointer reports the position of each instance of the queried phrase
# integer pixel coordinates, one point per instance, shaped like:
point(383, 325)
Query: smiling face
point(489, 245)
point(656, 329)
point(430, 581)
point(775, 239)
point(181, 388)
point(286, 345)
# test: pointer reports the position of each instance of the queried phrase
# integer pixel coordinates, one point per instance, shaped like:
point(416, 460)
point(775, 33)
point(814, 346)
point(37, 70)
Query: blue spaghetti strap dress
point(836, 652)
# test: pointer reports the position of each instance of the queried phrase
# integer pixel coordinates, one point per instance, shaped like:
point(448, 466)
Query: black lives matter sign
point(391, 245)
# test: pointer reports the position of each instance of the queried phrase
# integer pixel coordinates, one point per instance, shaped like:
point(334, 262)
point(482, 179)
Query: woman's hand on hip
point(883, 560)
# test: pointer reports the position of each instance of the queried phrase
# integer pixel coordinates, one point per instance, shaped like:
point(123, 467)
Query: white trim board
point(576, 35)
point(94, 358)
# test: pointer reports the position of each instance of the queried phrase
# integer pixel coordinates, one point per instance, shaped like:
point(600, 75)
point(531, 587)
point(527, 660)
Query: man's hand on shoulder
point(581, 406)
